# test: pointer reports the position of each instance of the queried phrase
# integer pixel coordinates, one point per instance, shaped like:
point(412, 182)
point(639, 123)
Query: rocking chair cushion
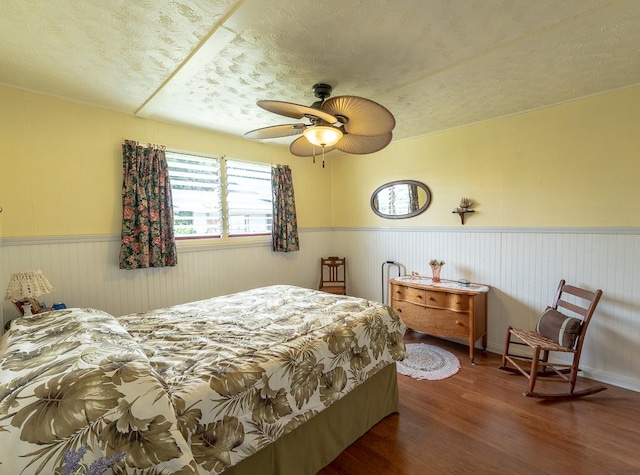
point(558, 327)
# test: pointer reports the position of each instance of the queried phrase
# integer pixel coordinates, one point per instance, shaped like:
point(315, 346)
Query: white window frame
point(252, 208)
point(220, 198)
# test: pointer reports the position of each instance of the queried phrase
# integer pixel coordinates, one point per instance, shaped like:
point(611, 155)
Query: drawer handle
point(431, 298)
point(458, 322)
point(419, 296)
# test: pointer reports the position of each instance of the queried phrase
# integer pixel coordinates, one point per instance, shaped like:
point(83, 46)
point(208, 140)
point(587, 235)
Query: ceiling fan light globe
point(322, 135)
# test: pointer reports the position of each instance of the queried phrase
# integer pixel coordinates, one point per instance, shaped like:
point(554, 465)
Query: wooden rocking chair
point(555, 332)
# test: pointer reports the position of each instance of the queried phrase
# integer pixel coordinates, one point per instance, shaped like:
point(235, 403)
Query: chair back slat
point(577, 291)
point(574, 308)
point(583, 309)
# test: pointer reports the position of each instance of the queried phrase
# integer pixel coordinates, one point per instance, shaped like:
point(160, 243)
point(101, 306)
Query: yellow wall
point(61, 165)
point(576, 164)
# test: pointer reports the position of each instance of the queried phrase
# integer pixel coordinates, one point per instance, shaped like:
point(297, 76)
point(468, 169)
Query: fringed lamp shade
point(26, 286)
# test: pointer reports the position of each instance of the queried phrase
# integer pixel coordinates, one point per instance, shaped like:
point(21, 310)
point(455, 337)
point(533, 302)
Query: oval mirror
point(400, 199)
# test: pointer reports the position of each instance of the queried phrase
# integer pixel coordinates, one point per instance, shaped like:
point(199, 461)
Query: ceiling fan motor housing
point(321, 90)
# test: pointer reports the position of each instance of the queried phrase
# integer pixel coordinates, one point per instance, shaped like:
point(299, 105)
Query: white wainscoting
point(523, 268)
point(84, 270)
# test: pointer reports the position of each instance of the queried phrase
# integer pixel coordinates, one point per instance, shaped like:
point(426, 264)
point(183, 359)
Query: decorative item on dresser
point(23, 289)
point(436, 268)
point(446, 309)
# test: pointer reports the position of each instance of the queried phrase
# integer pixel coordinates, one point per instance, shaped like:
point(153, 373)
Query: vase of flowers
point(436, 268)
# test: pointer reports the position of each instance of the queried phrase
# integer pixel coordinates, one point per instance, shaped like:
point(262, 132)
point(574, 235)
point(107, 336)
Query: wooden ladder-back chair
point(333, 275)
point(556, 331)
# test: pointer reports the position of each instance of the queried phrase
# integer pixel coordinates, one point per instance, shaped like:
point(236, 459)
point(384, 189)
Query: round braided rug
point(428, 362)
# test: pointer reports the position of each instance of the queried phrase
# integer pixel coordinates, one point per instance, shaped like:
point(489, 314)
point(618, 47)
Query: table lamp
point(24, 287)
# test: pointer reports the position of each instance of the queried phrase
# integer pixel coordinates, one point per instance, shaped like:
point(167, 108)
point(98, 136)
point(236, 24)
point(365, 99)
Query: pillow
point(558, 327)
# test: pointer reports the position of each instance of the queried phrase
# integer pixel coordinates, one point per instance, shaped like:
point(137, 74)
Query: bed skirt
point(316, 443)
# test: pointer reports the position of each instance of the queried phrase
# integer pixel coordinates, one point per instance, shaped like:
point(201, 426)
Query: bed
point(276, 380)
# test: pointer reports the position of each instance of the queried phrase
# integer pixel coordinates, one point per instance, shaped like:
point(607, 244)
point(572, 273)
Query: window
point(201, 209)
point(195, 188)
point(248, 198)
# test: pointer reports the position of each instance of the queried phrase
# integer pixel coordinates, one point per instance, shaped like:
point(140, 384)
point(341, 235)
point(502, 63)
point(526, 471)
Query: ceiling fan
point(350, 124)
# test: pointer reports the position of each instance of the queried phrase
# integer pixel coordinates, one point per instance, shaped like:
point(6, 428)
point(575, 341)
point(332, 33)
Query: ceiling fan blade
point(362, 144)
point(275, 131)
point(301, 147)
point(364, 117)
point(296, 111)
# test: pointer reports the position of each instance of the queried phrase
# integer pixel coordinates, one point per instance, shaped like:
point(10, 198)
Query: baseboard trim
point(590, 373)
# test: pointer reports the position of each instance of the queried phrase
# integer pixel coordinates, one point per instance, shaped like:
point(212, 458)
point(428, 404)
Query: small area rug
point(428, 362)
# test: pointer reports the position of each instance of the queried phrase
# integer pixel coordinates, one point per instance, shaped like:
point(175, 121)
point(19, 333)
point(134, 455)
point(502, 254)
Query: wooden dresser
point(445, 309)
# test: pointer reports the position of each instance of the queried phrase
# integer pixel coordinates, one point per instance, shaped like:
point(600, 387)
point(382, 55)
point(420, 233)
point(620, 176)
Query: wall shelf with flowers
point(463, 209)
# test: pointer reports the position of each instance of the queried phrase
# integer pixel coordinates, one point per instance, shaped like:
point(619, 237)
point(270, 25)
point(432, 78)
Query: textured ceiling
point(435, 64)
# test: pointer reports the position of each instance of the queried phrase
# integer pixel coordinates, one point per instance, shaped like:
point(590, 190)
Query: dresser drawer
point(408, 294)
point(408, 311)
point(446, 323)
point(401, 292)
point(436, 299)
point(457, 302)
point(431, 298)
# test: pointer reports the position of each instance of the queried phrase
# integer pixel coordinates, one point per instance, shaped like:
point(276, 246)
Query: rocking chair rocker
point(555, 332)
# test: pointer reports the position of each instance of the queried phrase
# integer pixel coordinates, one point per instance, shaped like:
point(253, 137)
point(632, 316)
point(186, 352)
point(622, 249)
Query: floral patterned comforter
point(193, 388)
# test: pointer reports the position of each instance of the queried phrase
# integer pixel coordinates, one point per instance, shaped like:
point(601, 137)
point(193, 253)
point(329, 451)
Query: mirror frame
point(420, 210)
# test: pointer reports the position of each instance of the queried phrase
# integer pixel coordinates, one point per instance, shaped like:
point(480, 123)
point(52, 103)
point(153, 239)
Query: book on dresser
point(445, 309)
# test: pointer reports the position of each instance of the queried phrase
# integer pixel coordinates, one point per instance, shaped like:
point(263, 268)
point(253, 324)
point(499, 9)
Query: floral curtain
point(147, 208)
point(284, 232)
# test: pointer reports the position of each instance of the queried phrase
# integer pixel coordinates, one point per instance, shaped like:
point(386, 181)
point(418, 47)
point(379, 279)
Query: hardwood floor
point(478, 422)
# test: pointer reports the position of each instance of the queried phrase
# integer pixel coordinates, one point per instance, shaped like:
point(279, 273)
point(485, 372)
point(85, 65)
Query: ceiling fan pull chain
point(323, 156)
point(314, 154)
